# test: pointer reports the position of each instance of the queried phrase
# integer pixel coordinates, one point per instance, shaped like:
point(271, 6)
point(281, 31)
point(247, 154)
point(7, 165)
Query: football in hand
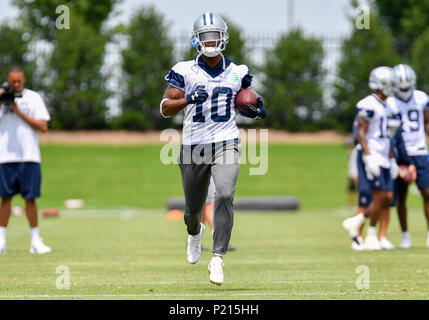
point(245, 98)
point(405, 174)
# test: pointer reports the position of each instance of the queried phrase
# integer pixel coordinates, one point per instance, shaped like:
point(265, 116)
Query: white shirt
point(19, 142)
point(214, 120)
point(378, 134)
point(412, 120)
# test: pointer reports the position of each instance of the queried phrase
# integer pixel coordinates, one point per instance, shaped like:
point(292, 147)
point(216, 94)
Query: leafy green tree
point(146, 61)
point(76, 91)
point(362, 51)
point(40, 15)
point(236, 48)
point(292, 88)
point(420, 61)
point(407, 19)
point(14, 48)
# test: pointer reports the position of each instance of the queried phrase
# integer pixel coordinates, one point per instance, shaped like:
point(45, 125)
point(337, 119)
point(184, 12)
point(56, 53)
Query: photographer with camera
point(22, 115)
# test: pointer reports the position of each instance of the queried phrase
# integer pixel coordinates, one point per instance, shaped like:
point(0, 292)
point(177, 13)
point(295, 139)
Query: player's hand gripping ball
point(249, 104)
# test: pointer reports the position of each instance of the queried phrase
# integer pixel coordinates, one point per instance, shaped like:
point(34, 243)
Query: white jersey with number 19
point(213, 120)
point(412, 119)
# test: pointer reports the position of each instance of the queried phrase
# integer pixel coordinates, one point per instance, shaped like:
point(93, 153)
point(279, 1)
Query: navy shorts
point(365, 197)
point(422, 166)
point(20, 177)
point(383, 182)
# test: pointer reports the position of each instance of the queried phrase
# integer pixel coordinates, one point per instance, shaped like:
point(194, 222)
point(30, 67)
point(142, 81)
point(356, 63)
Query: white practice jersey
point(412, 121)
point(377, 113)
point(214, 120)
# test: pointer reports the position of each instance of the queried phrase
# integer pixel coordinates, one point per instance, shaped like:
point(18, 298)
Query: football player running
point(376, 166)
point(412, 105)
point(206, 88)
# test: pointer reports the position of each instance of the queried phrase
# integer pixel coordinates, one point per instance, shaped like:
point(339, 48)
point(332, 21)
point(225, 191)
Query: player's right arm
point(173, 101)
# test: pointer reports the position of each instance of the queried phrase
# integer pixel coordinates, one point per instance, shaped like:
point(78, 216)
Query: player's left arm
point(40, 125)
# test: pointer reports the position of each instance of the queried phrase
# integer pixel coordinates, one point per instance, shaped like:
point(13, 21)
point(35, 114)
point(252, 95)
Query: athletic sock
point(34, 233)
point(360, 217)
point(3, 232)
point(406, 235)
point(213, 232)
point(372, 231)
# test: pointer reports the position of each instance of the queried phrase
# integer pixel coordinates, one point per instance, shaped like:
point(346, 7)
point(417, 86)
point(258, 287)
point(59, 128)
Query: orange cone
point(174, 215)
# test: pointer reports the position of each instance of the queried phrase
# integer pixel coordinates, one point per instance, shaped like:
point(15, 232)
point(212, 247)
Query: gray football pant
point(223, 165)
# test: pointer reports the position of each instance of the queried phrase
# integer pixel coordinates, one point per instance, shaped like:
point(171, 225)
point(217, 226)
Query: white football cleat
point(37, 246)
point(193, 250)
point(386, 244)
point(352, 225)
point(405, 243)
point(372, 243)
point(358, 245)
point(216, 271)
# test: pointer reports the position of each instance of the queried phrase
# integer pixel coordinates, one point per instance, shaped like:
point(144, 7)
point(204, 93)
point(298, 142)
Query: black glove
point(199, 95)
point(255, 113)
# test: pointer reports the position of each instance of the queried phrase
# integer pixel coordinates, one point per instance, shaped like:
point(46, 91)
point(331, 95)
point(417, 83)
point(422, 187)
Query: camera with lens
point(8, 95)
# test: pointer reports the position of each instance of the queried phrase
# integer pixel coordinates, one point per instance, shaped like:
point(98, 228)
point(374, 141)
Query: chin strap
point(198, 56)
point(223, 60)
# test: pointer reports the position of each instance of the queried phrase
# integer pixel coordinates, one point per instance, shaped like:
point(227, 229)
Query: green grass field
point(121, 246)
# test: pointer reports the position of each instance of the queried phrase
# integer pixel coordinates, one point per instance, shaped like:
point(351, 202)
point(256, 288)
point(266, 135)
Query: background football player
point(365, 198)
point(206, 88)
point(412, 105)
point(376, 167)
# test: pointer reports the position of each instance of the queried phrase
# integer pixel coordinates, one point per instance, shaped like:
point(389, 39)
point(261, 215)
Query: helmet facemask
point(405, 81)
point(404, 91)
point(210, 42)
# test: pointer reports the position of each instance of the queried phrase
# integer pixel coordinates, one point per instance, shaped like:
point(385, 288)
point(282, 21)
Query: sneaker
point(37, 246)
point(372, 243)
point(358, 245)
point(216, 271)
point(193, 250)
point(405, 243)
point(352, 225)
point(386, 244)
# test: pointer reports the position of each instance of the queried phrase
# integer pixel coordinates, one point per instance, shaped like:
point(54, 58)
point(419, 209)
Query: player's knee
point(388, 198)
point(224, 196)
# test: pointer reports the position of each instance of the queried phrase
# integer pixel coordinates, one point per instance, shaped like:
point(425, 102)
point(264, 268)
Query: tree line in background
point(73, 77)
